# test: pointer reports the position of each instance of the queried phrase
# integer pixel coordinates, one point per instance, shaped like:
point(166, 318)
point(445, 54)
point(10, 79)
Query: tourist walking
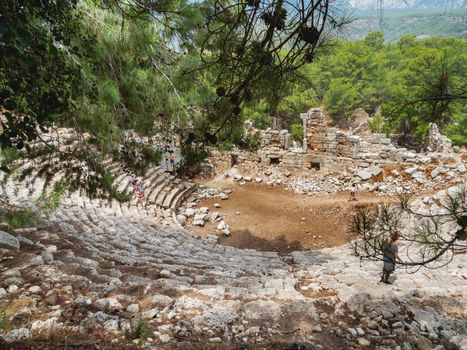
point(140, 193)
point(390, 255)
point(133, 181)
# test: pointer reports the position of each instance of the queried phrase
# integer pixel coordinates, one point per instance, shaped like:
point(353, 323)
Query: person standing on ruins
point(172, 160)
point(390, 255)
point(353, 191)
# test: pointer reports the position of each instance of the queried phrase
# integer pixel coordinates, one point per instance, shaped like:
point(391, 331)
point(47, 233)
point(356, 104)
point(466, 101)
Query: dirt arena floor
point(273, 219)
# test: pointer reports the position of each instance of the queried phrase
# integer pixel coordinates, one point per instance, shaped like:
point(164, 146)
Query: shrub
point(138, 330)
point(19, 218)
point(251, 143)
point(4, 321)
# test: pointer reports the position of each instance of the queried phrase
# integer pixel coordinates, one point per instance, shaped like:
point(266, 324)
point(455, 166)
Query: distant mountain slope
point(406, 4)
point(447, 22)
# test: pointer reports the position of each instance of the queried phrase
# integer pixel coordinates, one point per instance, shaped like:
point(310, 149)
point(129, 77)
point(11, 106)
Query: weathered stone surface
point(364, 175)
point(108, 304)
point(260, 309)
point(17, 335)
point(181, 219)
point(8, 240)
point(150, 314)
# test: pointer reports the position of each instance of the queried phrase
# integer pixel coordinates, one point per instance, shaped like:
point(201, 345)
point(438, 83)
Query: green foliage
point(138, 330)
point(4, 319)
point(8, 157)
point(193, 155)
point(38, 79)
point(415, 82)
point(296, 132)
point(259, 113)
point(377, 123)
point(251, 142)
point(137, 157)
point(20, 218)
point(48, 204)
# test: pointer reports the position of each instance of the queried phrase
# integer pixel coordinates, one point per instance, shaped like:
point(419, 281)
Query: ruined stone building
point(331, 148)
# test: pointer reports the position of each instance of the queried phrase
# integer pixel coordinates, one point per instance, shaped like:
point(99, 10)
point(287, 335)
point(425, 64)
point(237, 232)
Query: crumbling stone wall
point(332, 148)
point(314, 131)
point(436, 141)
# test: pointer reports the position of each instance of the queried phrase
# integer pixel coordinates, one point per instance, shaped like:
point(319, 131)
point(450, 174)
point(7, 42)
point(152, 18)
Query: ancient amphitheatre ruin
point(253, 254)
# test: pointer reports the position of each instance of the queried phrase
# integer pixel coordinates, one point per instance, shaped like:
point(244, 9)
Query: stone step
point(155, 193)
point(152, 175)
point(155, 183)
point(170, 197)
point(121, 182)
point(182, 195)
point(115, 168)
point(162, 194)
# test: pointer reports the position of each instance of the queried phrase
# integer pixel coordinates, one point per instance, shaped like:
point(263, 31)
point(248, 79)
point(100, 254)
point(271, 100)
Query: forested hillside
point(403, 83)
point(442, 21)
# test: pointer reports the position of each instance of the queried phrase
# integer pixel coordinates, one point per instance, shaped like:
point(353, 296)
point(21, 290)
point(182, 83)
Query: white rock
point(217, 205)
point(164, 338)
point(435, 172)
point(48, 324)
point(12, 288)
point(35, 289)
point(352, 332)
point(363, 342)
point(133, 308)
point(221, 225)
point(364, 175)
point(150, 314)
point(374, 170)
point(165, 274)
point(214, 216)
point(51, 249)
point(258, 179)
point(17, 335)
point(111, 325)
point(181, 219)
point(203, 210)
point(47, 257)
point(108, 304)
point(158, 300)
point(36, 261)
point(223, 196)
point(190, 212)
point(2, 291)
point(8, 240)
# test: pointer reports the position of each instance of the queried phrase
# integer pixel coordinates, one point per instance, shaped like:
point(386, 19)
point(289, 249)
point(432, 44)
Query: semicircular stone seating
point(163, 193)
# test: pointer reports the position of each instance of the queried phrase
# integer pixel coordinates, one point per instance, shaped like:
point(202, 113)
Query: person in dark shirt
point(390, 255)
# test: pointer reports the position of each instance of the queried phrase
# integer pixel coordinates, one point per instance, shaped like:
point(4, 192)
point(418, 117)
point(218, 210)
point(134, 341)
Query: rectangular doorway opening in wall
point(315, 165)
point(274, 161)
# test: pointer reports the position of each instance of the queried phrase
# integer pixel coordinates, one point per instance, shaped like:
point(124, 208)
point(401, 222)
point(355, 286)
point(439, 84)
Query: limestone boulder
point(8, 240)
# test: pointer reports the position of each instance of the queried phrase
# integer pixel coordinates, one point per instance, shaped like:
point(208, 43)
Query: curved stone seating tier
point(163, 192)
